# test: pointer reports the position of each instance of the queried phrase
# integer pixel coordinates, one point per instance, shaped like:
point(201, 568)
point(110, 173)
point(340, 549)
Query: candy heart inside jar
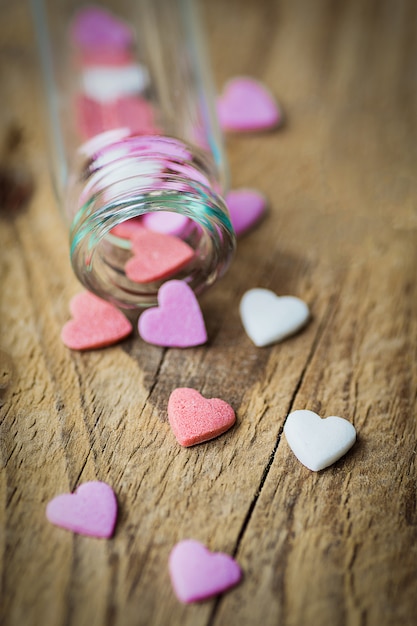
point(122, 187)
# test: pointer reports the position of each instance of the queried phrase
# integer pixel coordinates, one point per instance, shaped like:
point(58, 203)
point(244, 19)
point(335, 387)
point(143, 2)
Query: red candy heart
point(194, 419)
point(156, 255)
point(96, 323)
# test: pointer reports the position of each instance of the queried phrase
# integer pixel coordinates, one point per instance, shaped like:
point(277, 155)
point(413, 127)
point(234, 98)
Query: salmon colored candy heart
point(128, 228)
point(133, 112)
point(96, 323)
point(197, 574)
point(246, 208)
point(156, 255)
point(177, 322)
point(247, 105)
point(91, 510)
point(194, 419)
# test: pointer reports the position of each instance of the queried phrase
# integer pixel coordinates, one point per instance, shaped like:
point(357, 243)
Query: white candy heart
point(268, 318)
point(317, 442)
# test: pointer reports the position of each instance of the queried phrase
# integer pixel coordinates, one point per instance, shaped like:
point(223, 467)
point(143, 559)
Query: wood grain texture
point(333, 547)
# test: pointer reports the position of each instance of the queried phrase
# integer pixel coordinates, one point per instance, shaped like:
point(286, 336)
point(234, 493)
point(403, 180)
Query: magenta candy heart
point(246, 208)
point(177, 322)
point(197, 574)
point(91, 510)
point(247, 105)
point(93, 27)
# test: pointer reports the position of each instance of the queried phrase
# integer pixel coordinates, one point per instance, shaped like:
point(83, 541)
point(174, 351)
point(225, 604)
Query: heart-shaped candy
point(246, 208)
point(128, 229)
point(268, 318)
point(316, 442)
point(168, 222)
point(177, 322)
point(96, 323)
point(94, 28)
point(247, 105)
point(91, 510)
point(198, 574)
point(156, 255)
point(132, 112)
point(195, 419)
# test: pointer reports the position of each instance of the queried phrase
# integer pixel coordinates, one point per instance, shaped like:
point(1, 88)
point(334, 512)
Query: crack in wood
point(320, 332)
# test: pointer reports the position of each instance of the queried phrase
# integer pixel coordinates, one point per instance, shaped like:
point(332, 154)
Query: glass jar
point(133, 134)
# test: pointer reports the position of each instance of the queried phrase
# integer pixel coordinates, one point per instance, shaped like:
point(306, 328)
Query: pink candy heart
point(156, 256)
point(246, 208)
point(195, 419)
point(168, 222)
point(94, 117)
point(95, 28)
point(197, 574)
point(91, 510)
point(128, 229)
point(96, 323)
point(177, 322)
point(247, 105)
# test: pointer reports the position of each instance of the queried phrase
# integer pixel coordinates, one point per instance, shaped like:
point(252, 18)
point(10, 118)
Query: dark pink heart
point(198, 574)
point(177, 322)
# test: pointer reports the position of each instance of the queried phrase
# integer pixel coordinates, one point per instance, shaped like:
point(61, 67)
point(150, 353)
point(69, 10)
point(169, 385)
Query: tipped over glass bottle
point(136, 147)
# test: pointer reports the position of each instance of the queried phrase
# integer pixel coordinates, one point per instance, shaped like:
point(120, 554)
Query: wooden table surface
point(317, 548)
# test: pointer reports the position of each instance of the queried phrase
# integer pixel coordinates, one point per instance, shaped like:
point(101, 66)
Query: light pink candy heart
point(177, 322)
point(91, 510)
point(197, 574)
point(247, 105)
point(95, 28)
point(246, 208)
point(167, 222)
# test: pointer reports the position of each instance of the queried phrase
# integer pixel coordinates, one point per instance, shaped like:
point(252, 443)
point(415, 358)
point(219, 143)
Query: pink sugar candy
point(91, 510)
point(114, 57)
point(132, 112)
point(247, 105)
point(177, 322)
point(198, 574)
point(96, 323)
point(195, 419)
point(156, 256)
point(246, 208)
point(168, 223)
point(95, 28)
point(128, 229)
